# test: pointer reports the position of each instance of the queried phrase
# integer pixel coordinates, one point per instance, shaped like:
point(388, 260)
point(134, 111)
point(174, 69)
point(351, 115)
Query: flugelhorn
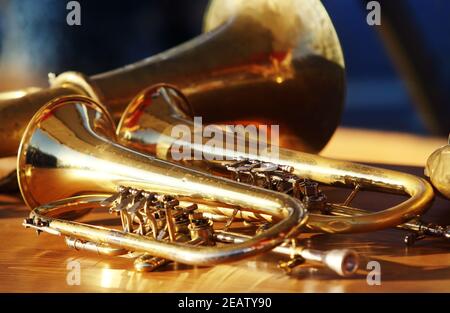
point(69, 150)
point(148, 123)
point(252, 53)
point(68, 154)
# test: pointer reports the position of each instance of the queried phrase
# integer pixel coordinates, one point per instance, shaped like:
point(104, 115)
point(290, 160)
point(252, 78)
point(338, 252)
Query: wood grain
point(29, 263)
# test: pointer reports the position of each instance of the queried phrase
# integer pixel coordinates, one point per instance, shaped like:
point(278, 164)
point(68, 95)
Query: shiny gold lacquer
point(253, 54)
point(343, 262)
point(438, 169)
point(69, 149)
point(150, 119)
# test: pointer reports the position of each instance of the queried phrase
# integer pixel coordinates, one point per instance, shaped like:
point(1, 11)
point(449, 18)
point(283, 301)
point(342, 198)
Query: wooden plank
point(29, 263)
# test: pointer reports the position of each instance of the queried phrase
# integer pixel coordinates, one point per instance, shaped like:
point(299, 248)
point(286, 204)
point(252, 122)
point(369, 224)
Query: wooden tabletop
point(31, 263)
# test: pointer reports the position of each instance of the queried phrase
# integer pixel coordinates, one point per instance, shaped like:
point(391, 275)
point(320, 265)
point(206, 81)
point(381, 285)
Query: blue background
point(115, 33)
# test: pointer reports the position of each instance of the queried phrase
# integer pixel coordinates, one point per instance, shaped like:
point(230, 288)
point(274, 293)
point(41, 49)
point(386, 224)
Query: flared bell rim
point(136, 104)
point(31, 129)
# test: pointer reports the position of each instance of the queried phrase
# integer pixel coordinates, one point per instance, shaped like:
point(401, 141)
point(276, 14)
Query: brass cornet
point(69, 162)
point(147, 126)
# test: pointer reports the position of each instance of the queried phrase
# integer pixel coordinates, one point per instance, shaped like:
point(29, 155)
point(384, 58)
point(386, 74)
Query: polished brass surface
point(14, 94)
point(343, 262)
point(69, 149)
point(147, 125)
point(258, 60)
point(16, 112)
point(438, 169)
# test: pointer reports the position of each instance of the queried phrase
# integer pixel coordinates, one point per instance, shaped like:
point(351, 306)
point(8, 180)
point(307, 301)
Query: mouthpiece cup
point(344, 262)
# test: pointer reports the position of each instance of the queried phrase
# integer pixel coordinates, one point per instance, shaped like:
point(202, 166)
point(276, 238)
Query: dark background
point(34, 35)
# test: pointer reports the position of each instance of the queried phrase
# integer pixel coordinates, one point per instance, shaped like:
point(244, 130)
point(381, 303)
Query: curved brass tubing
point(344, 262)
point(147, 125)
point(69, 149)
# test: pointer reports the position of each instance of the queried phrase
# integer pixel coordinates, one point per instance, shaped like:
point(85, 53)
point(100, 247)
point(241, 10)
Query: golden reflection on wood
point(29, 263)
point(387, 147)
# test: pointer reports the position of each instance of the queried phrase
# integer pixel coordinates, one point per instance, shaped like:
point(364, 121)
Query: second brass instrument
point(252, 53)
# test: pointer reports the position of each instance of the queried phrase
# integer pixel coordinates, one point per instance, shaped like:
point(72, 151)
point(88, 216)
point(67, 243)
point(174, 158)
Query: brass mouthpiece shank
point(344, 262)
